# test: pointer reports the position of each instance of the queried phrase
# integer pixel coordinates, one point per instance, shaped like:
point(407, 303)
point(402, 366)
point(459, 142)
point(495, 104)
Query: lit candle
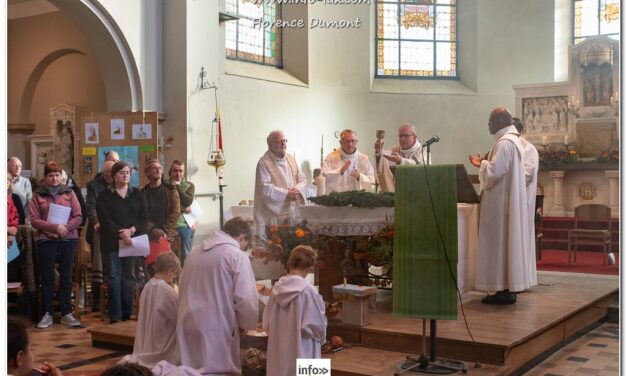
point(543, 140)
point(565, 139)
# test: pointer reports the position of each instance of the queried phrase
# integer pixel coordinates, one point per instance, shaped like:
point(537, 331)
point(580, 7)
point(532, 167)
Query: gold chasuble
point(424, 282)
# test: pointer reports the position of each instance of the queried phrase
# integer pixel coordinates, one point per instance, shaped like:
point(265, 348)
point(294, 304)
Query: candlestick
point(219, 133)
point(544, 140)
point(566, 139)
point(321, 149)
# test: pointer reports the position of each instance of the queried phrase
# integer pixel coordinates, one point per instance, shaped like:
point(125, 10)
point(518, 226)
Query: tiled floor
point(596, 353)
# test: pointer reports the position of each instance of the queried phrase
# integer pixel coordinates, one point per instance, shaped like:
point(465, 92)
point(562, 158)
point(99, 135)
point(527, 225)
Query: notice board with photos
point(133, 135)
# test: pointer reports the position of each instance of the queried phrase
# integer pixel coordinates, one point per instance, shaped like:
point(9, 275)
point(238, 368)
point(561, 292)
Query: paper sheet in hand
point(58, 214)
point(139, 247)
point(192, 217)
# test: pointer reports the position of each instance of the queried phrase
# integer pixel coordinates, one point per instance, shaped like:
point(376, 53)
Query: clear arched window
point(248, 38)
point(596, 17)
point(416, 39)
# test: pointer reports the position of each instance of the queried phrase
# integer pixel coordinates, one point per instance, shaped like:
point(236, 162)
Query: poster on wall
point(91, 133)
point(142, 131)
point(117, 129)
point(128, 154)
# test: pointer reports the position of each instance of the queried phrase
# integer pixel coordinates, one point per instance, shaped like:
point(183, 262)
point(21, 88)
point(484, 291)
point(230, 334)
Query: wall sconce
point(615, 103)
point(573, 106)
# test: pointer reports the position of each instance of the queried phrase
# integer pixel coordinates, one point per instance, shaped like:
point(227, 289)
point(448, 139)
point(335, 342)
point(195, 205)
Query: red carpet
point(587, 262)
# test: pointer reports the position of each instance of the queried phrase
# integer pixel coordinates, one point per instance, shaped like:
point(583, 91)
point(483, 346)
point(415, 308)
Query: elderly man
point(163, 203)
point(21, 186)
point(408, 152)
point(532, 165)
point(218, 297)
point(346, 169)
point(185, 189)
point(94, 188)
point(502, 255)
point(279, 184)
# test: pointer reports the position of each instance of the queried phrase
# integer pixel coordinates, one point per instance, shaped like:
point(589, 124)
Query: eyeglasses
point(284, 141)
point(406, 135)
point(350, 141)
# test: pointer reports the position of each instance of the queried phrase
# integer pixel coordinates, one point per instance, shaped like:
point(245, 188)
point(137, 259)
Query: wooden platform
point(506, 338)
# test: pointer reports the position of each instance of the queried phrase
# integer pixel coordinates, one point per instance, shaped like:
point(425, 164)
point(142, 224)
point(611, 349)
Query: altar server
point(346, 169)
point(532, 164)
point(294, 316)
point(218, 297)
point(502, 257)
point(155, 336)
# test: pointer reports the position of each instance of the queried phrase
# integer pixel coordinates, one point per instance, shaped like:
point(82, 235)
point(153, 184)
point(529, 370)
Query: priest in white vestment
point(294, 317)
point(280, 186)
point(155, 336)
point(218, 297)
point(346, 169)
point(408, 152)
point(532, 165)
point(502, 254)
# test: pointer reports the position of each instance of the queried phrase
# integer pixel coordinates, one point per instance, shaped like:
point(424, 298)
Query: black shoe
point(95, 296)
point(113, 321)
point(501, 297)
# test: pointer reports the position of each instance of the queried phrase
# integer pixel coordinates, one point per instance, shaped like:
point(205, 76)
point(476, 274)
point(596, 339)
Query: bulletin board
point(132, 134)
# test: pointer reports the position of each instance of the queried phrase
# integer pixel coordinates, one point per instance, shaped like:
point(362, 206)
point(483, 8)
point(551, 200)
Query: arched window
point(596, 17)
point(253, 37)
point(416, 39)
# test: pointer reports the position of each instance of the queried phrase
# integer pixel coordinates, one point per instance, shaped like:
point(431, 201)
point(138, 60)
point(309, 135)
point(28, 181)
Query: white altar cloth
point(350, 221)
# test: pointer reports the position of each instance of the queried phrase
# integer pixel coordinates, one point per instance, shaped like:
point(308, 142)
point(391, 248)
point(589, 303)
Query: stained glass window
point(253, 37)
point(416, 38)
point(596, 17)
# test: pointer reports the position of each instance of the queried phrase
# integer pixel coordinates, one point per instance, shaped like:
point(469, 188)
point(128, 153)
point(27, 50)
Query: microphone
point(432, 140)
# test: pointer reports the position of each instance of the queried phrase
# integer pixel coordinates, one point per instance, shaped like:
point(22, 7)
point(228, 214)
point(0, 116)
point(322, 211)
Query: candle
point(219, 133)
point(321, 149)
point(565, 139)
point(544, 140)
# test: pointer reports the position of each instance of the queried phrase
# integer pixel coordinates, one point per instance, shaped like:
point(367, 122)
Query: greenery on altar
point(610, 155)
point(556, 155)
point(281, 239)
point(359, 199)
point(376, 250)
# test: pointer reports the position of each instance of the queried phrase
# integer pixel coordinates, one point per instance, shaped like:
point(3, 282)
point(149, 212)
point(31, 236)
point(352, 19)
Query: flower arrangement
point(611, 155)
point(558, 155)
point(281, 239)
point(378, 248)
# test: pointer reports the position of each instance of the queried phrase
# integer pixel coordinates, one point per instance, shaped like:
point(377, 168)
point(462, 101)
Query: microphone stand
point(428, 154)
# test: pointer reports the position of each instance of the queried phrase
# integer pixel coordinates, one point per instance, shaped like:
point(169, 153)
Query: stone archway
point(111, 51)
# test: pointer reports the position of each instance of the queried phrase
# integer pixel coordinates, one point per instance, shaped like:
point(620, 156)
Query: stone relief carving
point(546, 115)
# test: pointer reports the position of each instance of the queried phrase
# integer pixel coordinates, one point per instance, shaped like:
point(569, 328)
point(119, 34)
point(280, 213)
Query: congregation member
point(185, 190)
point(408, 152)
point(532, 165)
point(21, 186)
point(16, 202)
point(502, 257)
point(56, 242)
point(71, 183)
point(20, 352)
point(218, 297)
point(14, 267)
point(279, 184)
point(346, 169)
point(122, 214)
point(155, 335)
point(99, 184)
point(163, 203)
point(294, 316)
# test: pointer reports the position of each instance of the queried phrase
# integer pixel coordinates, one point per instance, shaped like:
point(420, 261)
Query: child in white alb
point(155, 337)
point(294, 317)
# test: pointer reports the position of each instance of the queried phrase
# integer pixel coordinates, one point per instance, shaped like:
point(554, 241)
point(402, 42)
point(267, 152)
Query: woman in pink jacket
point(56, 243)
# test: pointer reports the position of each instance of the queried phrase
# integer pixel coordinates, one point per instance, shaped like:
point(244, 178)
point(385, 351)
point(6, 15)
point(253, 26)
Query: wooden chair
point(590, 237)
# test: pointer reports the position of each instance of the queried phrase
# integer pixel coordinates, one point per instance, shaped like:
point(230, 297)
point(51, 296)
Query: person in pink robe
point(294, 317)
point(218, 297)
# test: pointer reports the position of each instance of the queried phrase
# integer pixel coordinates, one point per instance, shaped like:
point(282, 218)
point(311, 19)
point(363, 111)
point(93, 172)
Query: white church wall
point(512, 42)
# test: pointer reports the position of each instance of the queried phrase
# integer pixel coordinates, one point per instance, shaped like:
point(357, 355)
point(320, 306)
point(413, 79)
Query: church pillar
point(558, 195)
point(612, 176)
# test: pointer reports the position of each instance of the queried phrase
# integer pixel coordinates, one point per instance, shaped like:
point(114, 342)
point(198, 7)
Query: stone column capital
point(612, 174)
point(557, 174)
